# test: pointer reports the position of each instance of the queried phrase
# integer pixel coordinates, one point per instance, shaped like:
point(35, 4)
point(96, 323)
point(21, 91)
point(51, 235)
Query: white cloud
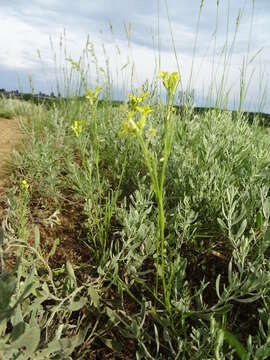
point(20, 42)
point(26, 29)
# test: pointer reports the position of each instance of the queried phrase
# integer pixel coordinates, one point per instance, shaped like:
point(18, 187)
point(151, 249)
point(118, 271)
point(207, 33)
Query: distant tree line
point(26, 96)
point(263, 118)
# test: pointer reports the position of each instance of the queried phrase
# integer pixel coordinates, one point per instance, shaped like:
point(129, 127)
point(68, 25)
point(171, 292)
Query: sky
point(130, 41)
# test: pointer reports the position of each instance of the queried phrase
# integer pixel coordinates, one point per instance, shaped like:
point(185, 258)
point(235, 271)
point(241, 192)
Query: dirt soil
point(68, 231)
point(10, 136)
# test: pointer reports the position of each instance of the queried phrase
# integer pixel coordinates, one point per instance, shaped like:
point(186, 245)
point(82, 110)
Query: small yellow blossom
point(129, 126)
point(134, 100)
point(144, 112)
point(77, 128)
point(163, 74)
point(24, 185)
point(92, 96)
point(170, 81)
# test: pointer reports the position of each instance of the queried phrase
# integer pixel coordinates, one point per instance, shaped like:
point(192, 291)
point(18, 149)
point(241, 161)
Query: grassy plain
point(136, 232)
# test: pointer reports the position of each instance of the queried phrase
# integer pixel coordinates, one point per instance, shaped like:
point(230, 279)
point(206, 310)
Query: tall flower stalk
point(77, 128)
point(157, 174)
point(93, 98)
point(23, 209)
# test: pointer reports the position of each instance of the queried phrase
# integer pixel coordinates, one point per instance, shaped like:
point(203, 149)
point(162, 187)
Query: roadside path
point(10, 136)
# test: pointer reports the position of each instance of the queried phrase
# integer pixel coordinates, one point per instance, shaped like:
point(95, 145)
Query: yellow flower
point(24, 185)
point(144, 112)
point(170, 81)
point(163, 74)
point(173, 81)
point(129, 126)
point(92, 96)
point(77, 128)
point(134, 100)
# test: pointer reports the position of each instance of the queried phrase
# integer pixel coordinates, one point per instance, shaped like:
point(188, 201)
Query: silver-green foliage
point(215, 195)
point(35, 310)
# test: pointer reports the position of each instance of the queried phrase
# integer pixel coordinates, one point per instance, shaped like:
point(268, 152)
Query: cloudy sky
point(131, 40)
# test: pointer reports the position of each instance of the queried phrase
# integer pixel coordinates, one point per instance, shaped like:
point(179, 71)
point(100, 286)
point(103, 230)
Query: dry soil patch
point(10, 136)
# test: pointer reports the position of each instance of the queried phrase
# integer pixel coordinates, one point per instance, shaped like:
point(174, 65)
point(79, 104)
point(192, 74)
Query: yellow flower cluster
point(92, 96)
point(170, 81)
point(144, 112)
point(134, 100)
point(77, 128)
point(24, 185)
point(129, 125)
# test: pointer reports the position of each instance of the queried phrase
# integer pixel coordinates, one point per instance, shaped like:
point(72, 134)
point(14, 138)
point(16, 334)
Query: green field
point(134, 231)
point(136, 237)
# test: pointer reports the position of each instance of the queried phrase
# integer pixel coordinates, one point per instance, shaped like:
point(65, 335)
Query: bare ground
point(10, 136)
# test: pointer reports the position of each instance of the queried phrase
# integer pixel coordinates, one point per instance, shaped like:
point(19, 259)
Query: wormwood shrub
point(198, 184)
point(36, 310)
point(212, 153)
point(10, 108)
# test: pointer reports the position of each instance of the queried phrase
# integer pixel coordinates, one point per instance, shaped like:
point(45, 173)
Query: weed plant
point(169, 213)
point(10, 108)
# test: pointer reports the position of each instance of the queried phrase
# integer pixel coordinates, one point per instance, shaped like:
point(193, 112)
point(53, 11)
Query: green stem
point(158, 186)
point(152, 169)
point(161, 219)
point(166, 154)
point(96, 148)
point(82, 151)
